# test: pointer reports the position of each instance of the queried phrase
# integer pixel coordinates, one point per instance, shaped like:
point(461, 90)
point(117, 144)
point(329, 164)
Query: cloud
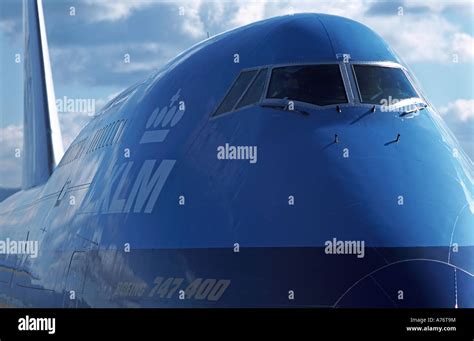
point(12, 142)
point(218, 17)
point(415, 7)
point(192, 23)
point(459, 116)
point(425, 39)
point(72, 123)
point(101, 102)
point(460, 110)
point(107, 65)
point(384, 8)
point(463, 45)
point(10, 20)
point(421, 34)
point(11, 139)
point(248, 12)
point(8, 26)
point(114, 10)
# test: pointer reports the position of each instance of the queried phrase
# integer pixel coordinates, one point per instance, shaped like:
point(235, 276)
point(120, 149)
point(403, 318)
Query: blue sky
point(87, 51)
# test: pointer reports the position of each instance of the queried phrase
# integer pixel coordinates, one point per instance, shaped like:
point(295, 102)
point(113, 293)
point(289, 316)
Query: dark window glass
point(254, 93)
point(235, 92)
point(315, 84)
point(378, 84)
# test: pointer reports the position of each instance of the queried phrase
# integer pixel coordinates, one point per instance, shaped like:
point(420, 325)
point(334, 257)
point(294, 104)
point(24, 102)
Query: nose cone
point(405, 188)
point(359, 219)
point(406, 176)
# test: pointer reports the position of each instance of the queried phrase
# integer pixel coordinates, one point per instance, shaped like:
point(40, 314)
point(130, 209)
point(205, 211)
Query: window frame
point(348, 76)
point(263, 97)
point(388, 65)
point(257, 69)
point(312, 105)
point(254, 79)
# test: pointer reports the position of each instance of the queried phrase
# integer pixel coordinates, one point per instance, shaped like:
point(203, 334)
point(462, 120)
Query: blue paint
point(233, 201)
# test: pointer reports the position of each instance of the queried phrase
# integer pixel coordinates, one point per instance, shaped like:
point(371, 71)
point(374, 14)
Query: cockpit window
point(254, 92)
point(315, 84)
point(235, 92)
point(378, 84)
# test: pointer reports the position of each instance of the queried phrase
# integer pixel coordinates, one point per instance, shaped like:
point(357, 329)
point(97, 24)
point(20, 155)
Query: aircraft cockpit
point(323, 85)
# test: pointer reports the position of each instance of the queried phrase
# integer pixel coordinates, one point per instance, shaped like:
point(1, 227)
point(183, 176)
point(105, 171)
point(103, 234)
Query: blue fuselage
point(142, 212)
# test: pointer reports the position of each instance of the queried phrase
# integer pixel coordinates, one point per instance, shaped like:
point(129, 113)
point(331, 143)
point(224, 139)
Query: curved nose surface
point(401, 177)
point(412, 283)
point(407, 192)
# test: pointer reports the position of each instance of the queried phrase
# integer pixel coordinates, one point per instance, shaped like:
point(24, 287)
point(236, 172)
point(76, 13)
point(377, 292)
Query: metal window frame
point(314, 106)
point(387, 65)
point(230, 89)
point(261, 69)
point(269, 69)
point(347, 73)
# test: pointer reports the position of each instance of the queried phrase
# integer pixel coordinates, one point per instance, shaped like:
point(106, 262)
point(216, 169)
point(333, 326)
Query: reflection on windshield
point(382, 85)
point(315, 84)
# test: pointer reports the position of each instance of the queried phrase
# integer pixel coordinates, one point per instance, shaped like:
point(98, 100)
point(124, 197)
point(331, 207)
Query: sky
point(90, 40)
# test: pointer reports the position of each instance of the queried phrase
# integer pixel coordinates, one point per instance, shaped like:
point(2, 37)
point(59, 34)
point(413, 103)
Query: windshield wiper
point(284, 107)
point(415, 109)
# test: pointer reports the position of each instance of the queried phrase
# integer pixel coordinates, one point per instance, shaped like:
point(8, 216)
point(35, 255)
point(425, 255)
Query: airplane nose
point(401, 176)
point(404, 188)
point(392, 189)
